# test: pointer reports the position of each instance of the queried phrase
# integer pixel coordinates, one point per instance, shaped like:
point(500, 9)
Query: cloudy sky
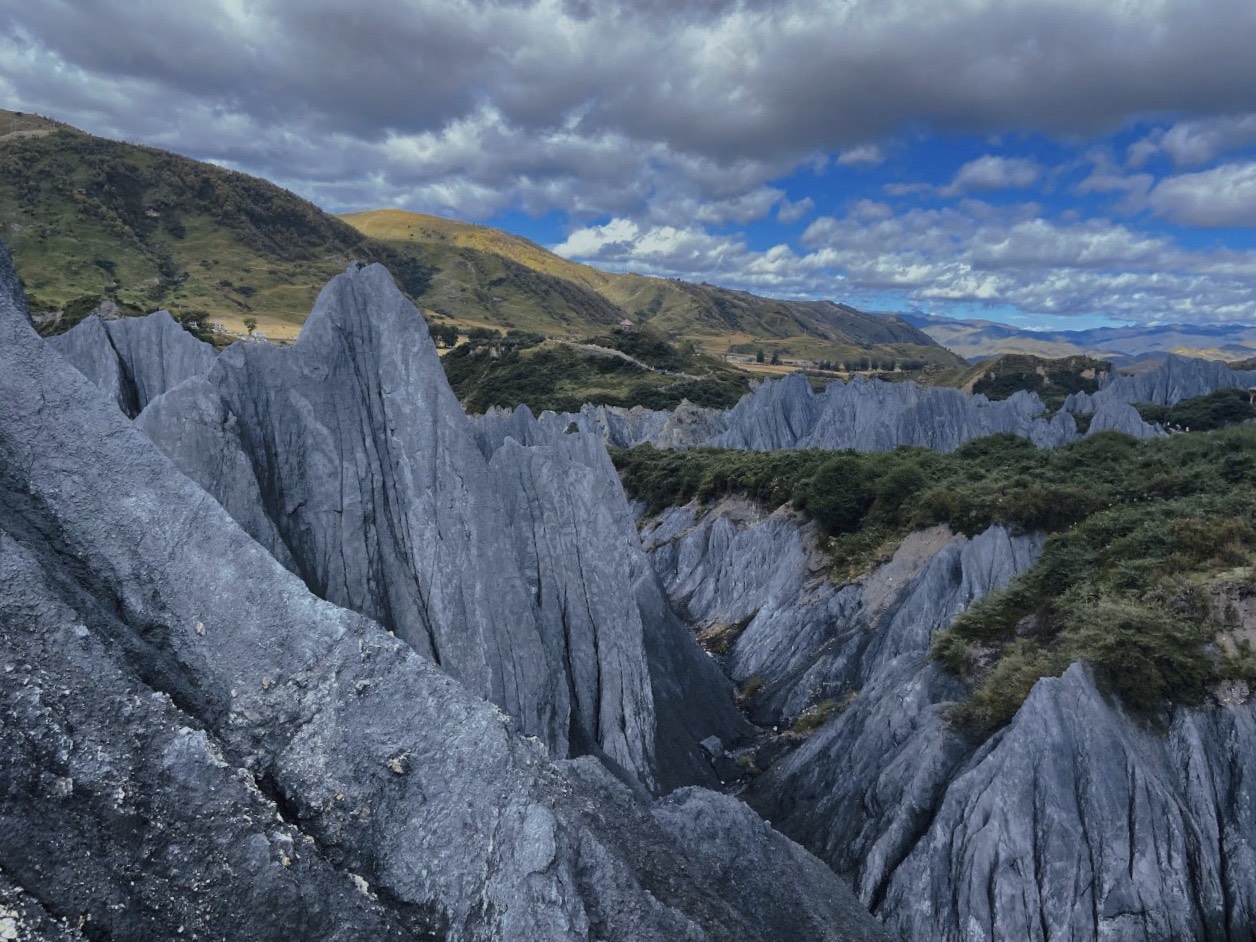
point(1045, 162)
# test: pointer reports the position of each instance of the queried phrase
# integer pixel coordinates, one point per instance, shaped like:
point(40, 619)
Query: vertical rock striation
point(136, 359)
point(1077, 821)
point(193, 745)
point(503, 550)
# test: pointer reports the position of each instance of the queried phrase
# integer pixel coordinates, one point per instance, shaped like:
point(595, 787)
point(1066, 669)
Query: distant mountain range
point(91, 220)
point(976, 338)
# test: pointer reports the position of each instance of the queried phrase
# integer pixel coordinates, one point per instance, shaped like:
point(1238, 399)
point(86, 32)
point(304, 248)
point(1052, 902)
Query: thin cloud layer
point(709, 126)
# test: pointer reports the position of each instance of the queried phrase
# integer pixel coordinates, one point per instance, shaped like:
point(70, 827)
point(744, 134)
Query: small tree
point(776, 358)
point(250, 324)
point(758, 357)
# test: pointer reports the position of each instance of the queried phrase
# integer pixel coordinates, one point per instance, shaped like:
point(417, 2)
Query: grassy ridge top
point(478, 270)
point(89, 218)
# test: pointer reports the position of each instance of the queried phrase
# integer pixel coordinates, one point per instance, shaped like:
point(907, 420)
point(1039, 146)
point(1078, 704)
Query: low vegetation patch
point(494, 370)
point(1138, 531)
point(1203, 413)
point(814, 717)
point(1052, 380)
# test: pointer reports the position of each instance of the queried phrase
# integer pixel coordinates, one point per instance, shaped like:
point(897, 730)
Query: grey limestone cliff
point(1077, 821)
point(136, 359)
point(595, 587)
point(348, 455)
point(349, 459)
point(195, 746)
point(877, 416)
point(1175, 379)
point(864, 415)
point(1081, 822)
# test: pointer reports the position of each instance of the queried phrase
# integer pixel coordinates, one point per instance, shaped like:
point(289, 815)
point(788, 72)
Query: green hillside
point(1000, 377)
point(1149, 544)
point(88, 219)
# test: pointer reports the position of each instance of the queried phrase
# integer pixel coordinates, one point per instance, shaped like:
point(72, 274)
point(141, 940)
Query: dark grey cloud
point(769, 82)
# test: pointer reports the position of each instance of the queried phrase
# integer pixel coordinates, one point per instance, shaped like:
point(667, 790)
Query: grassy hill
point(94, 221)
point(524, 286)
point(999, 377)
point(88, 218)
point(621, 368)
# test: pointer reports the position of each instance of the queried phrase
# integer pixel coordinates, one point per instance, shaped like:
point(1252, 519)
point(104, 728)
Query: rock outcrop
point(1177, 378)
point(517, 569)
point(599, 598)
point(877, 416)
point(195, 746)
point(1081, 822)
point(1076, 821)
point(864, 415)
point(136, 359)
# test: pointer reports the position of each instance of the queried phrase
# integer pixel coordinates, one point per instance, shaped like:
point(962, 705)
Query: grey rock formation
point(195, 746)
point(136, 359)
point(1081, 822)
point(1111, 416)
point(871, 415)
point(600, 601)
point(372, 484)
point(349, 459)
point(1077, 821)
point(786, 888)
point(685, 426)
point(570, 521)
point(803, 637)
point(877, 416)
point(1175, 379)
point(864, 415)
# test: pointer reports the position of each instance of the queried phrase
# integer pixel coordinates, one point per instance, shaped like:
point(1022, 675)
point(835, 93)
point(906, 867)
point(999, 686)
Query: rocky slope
point(871, 415)
point(1175, 379)
point(134, 360)
point(864, 415)
point(1077, 821)
point(514, 568)
point(196, 746)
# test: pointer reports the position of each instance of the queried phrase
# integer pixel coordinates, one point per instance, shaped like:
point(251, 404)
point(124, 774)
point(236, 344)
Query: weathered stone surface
point(1077, 821)
point(877, 416)
point(348, 455)
point(865, 415)
point(136, 359)
point(185, 706)
point(1081, 822)
point(1111, 416)
point(788, 891)
point(115, 799)
point(573, 534)
point(23, 918)
point(600, 600)
point(503, 548)
point(1177, 378)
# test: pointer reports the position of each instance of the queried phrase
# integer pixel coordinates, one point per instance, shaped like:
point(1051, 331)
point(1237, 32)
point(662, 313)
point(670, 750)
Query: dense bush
point(492, 370)
point(1136, 528)
point(1203, 413)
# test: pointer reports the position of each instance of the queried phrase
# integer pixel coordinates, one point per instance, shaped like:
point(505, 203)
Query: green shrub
point(814, 717)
